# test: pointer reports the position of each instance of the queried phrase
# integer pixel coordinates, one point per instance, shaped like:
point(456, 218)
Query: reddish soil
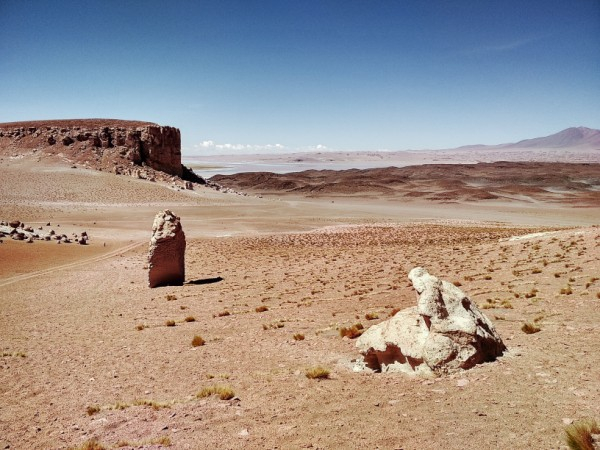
point(87, 352)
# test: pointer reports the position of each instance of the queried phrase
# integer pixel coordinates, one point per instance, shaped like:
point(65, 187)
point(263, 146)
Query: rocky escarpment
point(119, 146)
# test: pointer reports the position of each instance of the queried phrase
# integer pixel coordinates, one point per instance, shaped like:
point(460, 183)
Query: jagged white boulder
point(166, 256)
point(443, 333)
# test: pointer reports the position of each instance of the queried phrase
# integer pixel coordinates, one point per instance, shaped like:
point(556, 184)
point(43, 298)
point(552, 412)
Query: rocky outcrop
point(102, 143)
point(445, 332)
point(166, 254)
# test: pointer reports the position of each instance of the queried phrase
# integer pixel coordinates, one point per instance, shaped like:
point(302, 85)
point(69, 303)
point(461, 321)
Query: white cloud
point(211, 147)
point(506, 46)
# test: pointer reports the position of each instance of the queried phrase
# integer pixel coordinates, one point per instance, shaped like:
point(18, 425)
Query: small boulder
point(67, 140)
point(14, 223)
point(445, 332)
point(166, 256)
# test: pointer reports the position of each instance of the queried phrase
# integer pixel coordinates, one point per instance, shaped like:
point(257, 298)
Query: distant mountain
point(569, 138)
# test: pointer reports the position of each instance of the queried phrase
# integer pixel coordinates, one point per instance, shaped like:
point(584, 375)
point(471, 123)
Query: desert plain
point(91, 354)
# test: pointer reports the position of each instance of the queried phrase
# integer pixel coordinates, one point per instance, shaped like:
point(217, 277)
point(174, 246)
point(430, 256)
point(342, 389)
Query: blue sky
point(252, 76)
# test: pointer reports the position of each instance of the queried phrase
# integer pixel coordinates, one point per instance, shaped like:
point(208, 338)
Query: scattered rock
point(445, 332)
point(67, 140)
point(166, 256)
point(29, 234)
point(14, 223)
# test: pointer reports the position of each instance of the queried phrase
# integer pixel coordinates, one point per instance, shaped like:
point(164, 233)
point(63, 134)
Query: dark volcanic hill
point(579, 183)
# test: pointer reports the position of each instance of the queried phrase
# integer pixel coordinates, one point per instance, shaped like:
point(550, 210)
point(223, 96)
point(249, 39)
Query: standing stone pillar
point(166, 254)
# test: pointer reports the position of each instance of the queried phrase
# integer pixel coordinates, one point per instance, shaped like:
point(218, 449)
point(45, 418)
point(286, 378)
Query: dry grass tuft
point(224, 392)
point(120, 406)
point(530, 328)
point(162, 440)
point(579, 434)
point(197, 341)
point(261, 309)
point(154, 404)
point(190, 319)
point(171, 297)
point(165, 441)
point(91, 410)
point(13, 354)
point(170, 323)
point(91, 444)
point(371, 316)
point(298, 337)
point(318, 372)
point(566, 290)
point(531, 293)
point(224, 313)
point(352, 332)
point(273, 326)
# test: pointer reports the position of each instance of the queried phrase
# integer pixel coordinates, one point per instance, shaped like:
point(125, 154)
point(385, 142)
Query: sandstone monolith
point(166, 256)
point(445, 332)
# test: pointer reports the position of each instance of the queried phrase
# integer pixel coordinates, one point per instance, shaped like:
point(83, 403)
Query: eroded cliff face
point(104, 144)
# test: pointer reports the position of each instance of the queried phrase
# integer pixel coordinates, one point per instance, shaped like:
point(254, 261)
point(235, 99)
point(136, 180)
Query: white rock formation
point(166, 255)
point(445, 332)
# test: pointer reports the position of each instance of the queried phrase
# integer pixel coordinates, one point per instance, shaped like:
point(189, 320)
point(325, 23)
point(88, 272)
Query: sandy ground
point(81, 333)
